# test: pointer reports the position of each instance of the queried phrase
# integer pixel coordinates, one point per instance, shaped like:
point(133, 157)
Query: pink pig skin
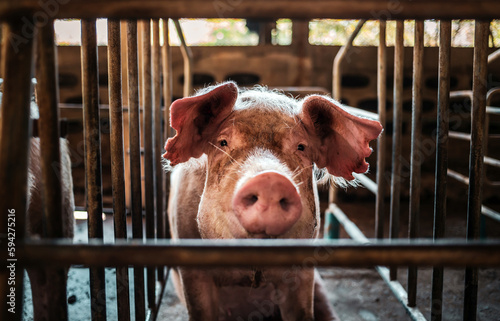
point(245, 169)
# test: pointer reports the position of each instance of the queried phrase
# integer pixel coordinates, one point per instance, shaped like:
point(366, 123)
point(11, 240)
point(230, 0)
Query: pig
point(245, 165)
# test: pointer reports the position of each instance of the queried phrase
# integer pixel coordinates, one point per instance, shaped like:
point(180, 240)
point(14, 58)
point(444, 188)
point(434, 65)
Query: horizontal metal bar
point(368, 183)
point(494, 215)
point(341, 9)
point(459, 135)
point(456, 253)
point(397, 289)
point(493, 110)
point(459, 177)
point(491, 161)
point(461, 94)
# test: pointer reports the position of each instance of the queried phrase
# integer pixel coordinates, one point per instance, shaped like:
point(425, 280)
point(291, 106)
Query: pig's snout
point(268, 204)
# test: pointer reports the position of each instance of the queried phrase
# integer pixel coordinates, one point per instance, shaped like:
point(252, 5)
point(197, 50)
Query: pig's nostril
point(250, 200)
point(285, 204)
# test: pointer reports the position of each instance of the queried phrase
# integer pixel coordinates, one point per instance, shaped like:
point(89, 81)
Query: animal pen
point(153, 251)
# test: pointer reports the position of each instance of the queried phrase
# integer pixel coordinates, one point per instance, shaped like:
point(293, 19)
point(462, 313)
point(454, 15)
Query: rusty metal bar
point(148, 139)
point(166, 53)
point(381, 141)
point(158, 136)
point(416, 137)
point(220, 253)
point(15, 132)
point(50, 153)
point(441, 161)
point(135, 161)
point(49, 130)
point(479, 88)
point(397, 128)
point(187, 56)
point(260, 9)
point(91, 130)
point(117, 161)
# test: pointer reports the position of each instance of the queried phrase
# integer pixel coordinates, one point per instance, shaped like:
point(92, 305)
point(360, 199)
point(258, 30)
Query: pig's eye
point(223, 142)
point(301, 147)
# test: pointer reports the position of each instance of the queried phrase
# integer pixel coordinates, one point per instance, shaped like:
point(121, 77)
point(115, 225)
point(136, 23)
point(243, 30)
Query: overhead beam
point(295, 9)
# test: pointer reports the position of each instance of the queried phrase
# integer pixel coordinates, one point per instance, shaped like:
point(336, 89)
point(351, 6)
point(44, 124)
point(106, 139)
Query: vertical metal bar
point(476, 159)
point(158, 136)
point(332, 226)
point(135, 161)
point(441, 161)
point(416, 137)
point(381, 142)
point(187, 55)
point(90, 82)
point(167, 100)
point(397, 122)
point(117, 161)
point(50, 160)
point(148, 139)
point(15, 132)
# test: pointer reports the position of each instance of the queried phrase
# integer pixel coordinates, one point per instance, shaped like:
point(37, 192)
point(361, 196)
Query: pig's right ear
point(196, 119)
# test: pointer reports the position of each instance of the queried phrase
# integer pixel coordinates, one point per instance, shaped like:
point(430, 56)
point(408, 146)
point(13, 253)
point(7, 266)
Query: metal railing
point(17, 66)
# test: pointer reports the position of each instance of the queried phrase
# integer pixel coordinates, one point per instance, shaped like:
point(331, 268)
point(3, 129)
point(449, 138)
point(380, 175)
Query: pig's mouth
point(261, 236)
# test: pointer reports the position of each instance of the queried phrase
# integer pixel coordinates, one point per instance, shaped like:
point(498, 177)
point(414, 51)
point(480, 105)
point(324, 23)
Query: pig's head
point(260, 149)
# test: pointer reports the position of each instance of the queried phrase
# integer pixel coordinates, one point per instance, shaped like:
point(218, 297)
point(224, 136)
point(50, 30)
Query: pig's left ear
point(340, 141)
point(196, 119)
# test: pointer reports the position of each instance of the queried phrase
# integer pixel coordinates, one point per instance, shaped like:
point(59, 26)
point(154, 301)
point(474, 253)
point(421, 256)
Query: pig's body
point(246, 171)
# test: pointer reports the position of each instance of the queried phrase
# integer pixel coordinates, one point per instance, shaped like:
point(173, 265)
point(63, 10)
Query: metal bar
point(400, 294)
point(368, 183)
point(158, 136)
point(461, 94)
point(135, 161)
point(339, 58)
point(49, 132)
point(441, 161)
point(459, 135)
point(117, 160)
point(479, 88)
point(332, 226)
point(93, 178)
point(493, 56)
point(15, 132)
point(294, 9)
point(149, 166)
point(491, 161)
point(416, 138)
point(187, 56)
point(397, 121)
point(486, 211)
point(220, 253)
point(166, 53)
point(381, 141)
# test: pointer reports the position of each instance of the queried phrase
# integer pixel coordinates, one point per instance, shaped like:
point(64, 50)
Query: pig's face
point(261, 149)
